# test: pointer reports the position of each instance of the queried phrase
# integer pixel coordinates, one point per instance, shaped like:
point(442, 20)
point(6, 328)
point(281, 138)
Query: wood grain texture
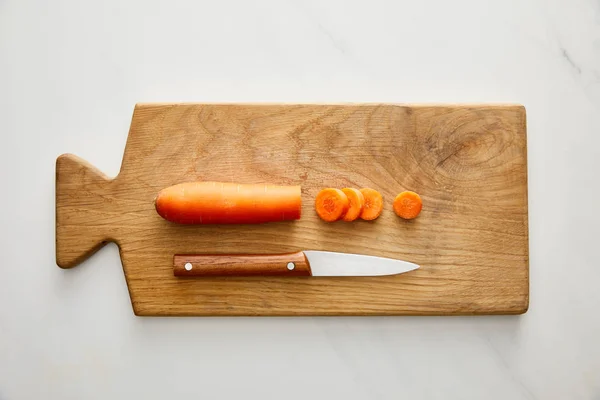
point(468, 163)
point(241, 265)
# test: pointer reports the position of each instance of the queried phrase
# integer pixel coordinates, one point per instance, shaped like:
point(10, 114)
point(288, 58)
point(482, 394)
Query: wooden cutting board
point(468, 163)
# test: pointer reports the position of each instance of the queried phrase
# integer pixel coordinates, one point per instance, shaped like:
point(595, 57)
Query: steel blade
point(328, 263)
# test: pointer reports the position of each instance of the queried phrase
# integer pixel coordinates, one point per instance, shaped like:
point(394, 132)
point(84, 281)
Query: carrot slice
point(228, 203)
point(373, 204)
point(357, 201)
point(331, 204)
point(408, 205)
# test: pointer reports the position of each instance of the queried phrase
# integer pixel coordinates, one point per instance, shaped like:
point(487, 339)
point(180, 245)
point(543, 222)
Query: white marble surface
point(70, 73)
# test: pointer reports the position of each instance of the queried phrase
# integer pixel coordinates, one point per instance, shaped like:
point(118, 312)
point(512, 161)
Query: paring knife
point(303, 263)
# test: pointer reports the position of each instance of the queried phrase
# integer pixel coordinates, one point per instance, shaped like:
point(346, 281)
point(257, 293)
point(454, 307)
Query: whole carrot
point(228, 203)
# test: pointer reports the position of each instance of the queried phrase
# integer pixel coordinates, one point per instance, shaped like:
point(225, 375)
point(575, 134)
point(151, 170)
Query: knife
point(302, 263)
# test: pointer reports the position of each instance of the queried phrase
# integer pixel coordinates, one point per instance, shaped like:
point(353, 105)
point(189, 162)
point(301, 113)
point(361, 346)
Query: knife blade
point(303, 263)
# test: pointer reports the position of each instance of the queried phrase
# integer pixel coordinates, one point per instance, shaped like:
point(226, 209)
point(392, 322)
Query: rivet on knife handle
point(214, 265)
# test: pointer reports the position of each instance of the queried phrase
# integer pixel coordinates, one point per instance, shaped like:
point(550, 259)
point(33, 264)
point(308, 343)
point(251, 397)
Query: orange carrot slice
point(373, 204)
point(357, 201)
point(228, 203)
point(408, 205)
point(331, 204)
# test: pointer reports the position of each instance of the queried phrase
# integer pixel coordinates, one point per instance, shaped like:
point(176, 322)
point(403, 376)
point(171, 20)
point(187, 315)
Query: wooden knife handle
point(212, 265)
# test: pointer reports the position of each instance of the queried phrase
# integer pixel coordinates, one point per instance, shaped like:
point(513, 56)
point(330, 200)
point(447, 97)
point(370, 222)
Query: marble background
point(70, 73)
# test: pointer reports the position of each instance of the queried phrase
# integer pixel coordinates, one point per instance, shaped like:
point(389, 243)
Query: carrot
point(373, 204)
point(331, 204)
point(228, 203)
point(408, 205)
point(357, 201)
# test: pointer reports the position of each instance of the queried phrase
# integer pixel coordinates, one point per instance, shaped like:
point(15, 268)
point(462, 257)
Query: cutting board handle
point(82, 194)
